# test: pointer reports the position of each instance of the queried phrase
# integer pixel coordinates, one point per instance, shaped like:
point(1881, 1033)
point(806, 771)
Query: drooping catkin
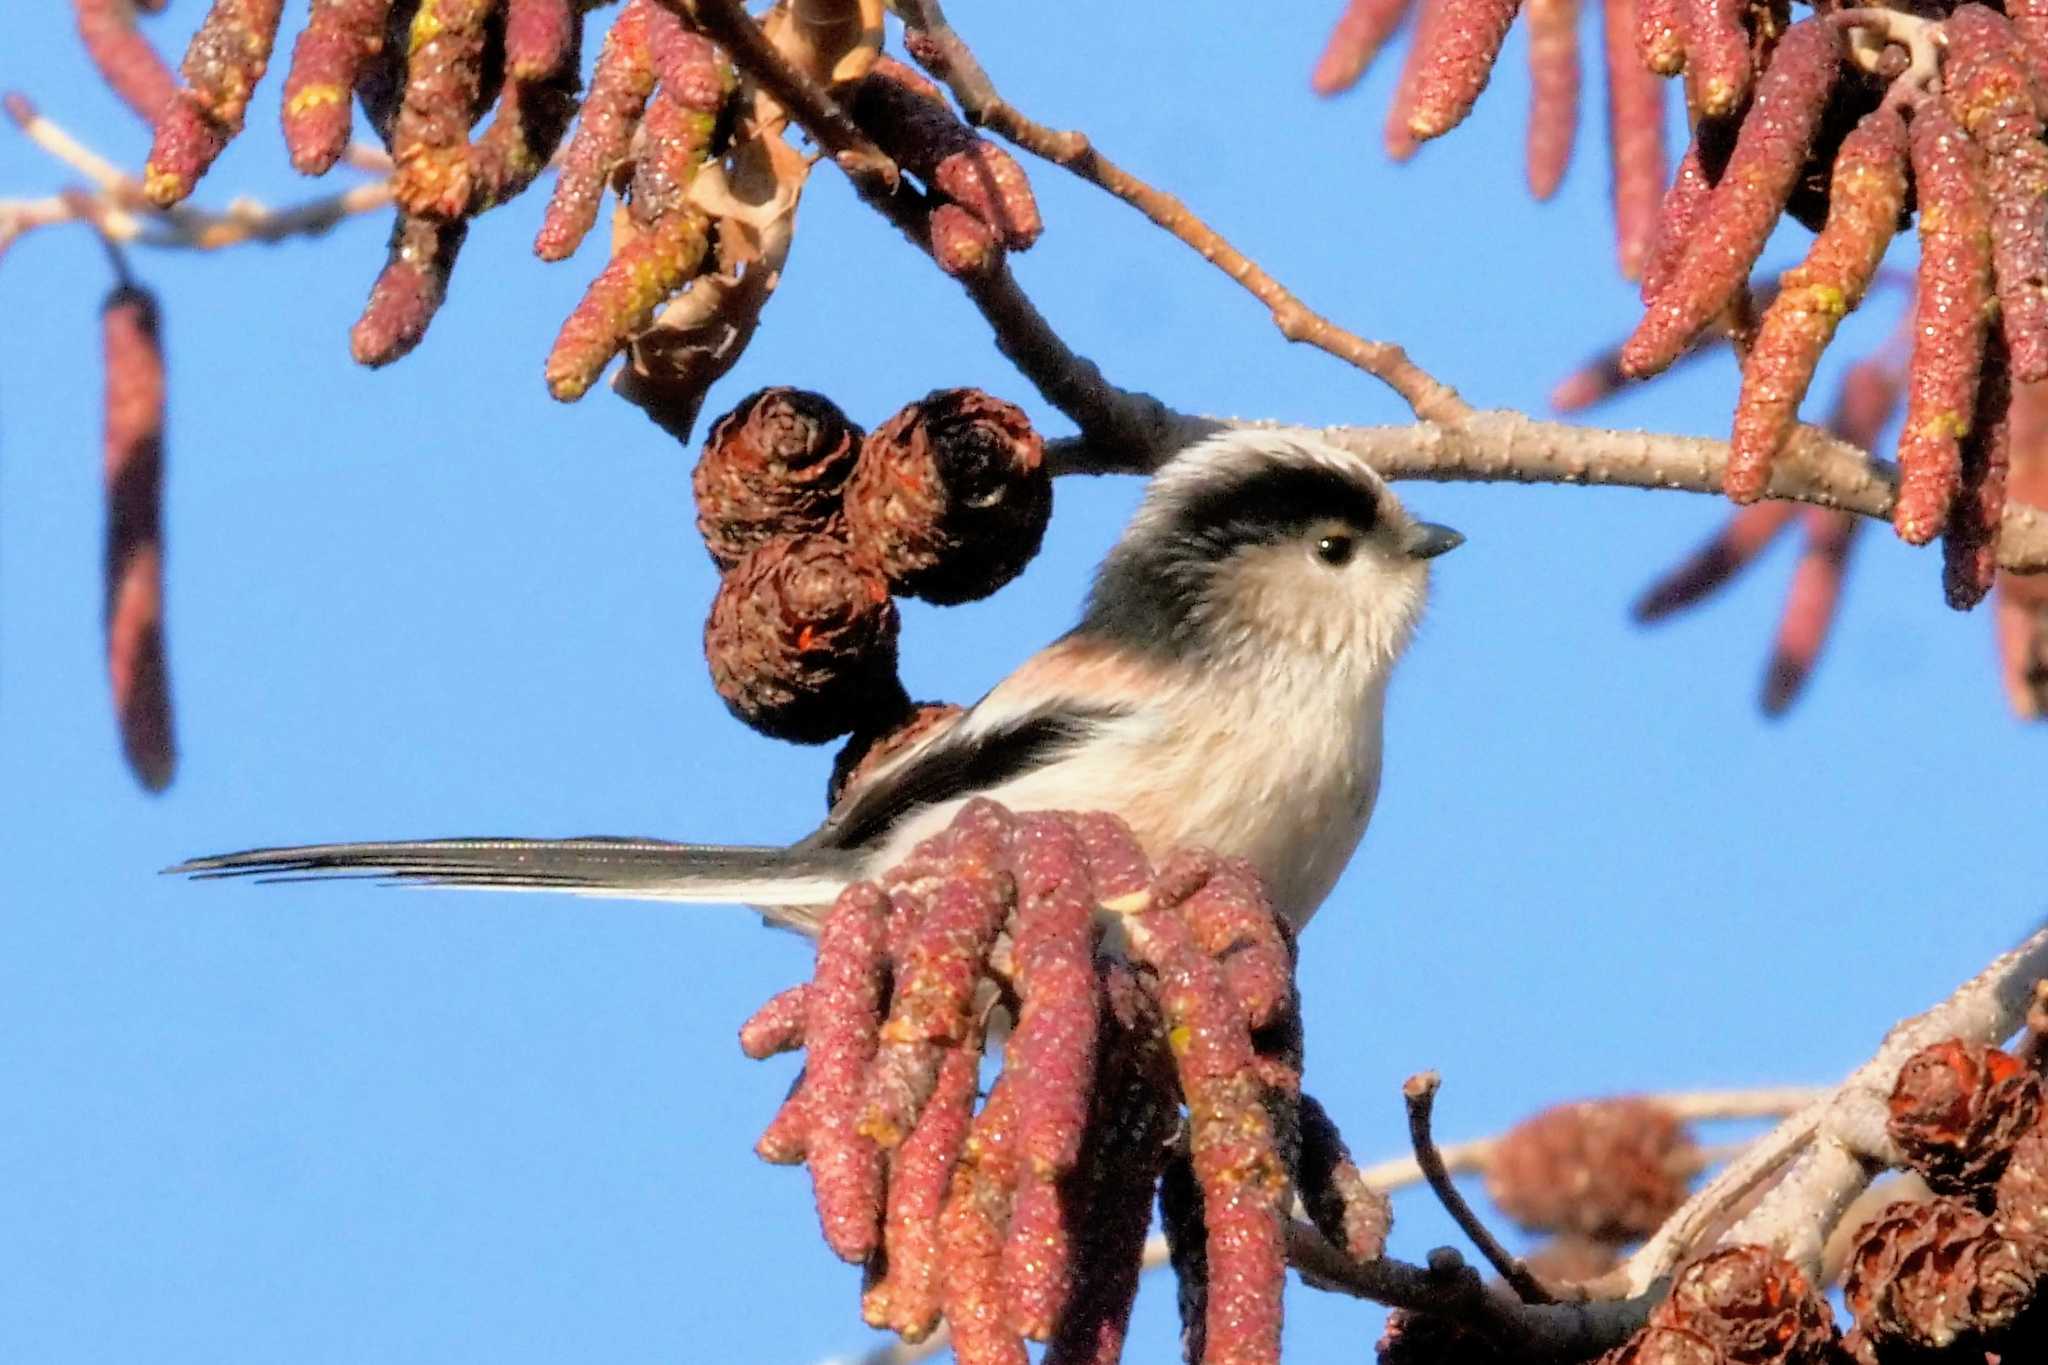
point(1770, 150)
point(1950, 311)
point(1866, 193)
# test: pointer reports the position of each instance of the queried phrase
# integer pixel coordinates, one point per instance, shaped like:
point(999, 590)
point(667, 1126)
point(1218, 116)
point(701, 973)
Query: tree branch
point(941, 51)
point(1829, 1151)
point(1506, 447)
point(117, 207)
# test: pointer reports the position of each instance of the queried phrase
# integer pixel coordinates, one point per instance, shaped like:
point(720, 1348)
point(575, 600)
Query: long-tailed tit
point(1224, 688)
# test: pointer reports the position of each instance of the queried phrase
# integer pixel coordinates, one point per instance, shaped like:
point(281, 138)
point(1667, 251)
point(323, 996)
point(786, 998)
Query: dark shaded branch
point(1537, 1333)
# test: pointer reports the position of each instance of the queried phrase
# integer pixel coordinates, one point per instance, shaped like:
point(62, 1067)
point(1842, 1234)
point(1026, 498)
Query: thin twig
point(117, 208)
point(942, 51)
point(1419, 1092)
point(809, 103)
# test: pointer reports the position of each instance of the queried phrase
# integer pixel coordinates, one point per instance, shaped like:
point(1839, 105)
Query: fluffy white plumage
point(1225, 688)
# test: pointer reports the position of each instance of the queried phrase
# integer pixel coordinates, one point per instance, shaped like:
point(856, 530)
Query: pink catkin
point(1464, 43)
point(842, 1024)
point(1429, 20)
point(787, 1137)
point(1864, 406)
point(777, 1026)
point(1810, 605)
point(1986, 87)
point(1635, 134)
point(1128, 1142)
point(133, 448)
point(674, 234)
point(619, 87)
point(443, 96)
point(2030, 21)
point(340, 36)
point(408, 291)
point(540, 38)
point(1970, 544)
point(1727, 553)
point(1950, 310)
point(1349, 1213)
point(124, 58)
point(906, 1299)
point(972, 1227)
point(1660, 35)
point(1866, 193)
point(1115, 862)
point(1717, 60)
point(186, 145)
point(1678, 213)
point(938, 971)
point(1051, 1059)
point(1553, 92)
point(1361, 31)
point(228, 56)
point(1233, 922)
point(1244, 1188)
point(1770, 150)
point(523, 133)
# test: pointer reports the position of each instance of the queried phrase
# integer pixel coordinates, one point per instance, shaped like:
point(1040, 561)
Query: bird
point(1224, 688)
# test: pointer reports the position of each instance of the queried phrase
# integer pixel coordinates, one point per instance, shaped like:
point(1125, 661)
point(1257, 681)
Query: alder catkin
point(1950, 310)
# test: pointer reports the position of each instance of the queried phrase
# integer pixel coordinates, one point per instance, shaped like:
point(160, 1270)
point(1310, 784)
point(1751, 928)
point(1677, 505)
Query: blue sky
point(336, 1124)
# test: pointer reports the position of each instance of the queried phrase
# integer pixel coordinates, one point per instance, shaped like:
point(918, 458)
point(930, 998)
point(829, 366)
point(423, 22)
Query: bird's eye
point(1335, 549)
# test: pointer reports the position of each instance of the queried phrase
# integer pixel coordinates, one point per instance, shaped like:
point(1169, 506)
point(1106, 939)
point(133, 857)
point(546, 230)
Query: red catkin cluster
point(1024, 1217)
point(1455, 46)
point(427, 73)
point(981, 204)
point(652, 121)
point(1850, 138)
point(815, 527)
point(1959, 1273)
point(134, 593)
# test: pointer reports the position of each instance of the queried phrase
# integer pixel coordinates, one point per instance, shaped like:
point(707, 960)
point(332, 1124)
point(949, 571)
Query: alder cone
point(874, 744)
point(802, 639)
point(2023, 1193)
point(1612, 1170)
point(951, 495)
point(1926, 1276)
point(777, 464)
point(1957, 1111)
point(1752, 1306)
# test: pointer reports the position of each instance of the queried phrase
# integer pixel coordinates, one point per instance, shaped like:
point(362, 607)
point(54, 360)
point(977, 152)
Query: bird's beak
point(1427, 540)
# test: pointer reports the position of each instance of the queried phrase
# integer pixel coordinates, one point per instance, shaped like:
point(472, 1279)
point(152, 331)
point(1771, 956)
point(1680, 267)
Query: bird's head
point(1262, 540)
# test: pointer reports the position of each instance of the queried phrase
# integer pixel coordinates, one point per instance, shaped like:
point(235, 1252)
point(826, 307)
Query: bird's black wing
point(961, 761)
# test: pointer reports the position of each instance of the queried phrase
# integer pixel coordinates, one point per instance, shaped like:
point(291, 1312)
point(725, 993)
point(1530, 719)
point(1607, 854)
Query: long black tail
point(626, 869)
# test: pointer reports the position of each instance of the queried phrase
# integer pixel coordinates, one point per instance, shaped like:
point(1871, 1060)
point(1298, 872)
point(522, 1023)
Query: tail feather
point(626, 869)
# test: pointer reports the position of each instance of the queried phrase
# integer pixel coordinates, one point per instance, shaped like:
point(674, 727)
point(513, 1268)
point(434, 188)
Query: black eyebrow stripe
point(956, 766)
